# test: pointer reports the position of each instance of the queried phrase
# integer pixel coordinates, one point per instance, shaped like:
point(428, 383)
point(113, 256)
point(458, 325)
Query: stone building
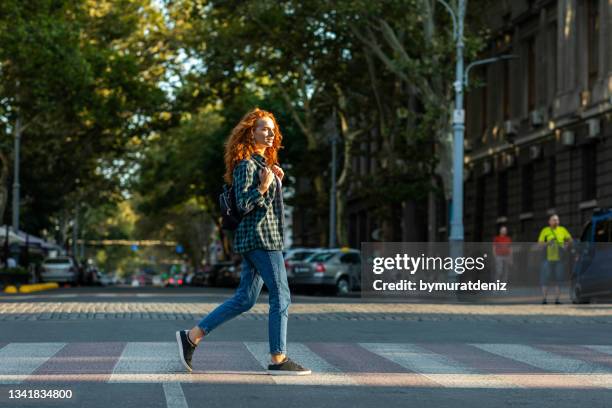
point(539, 129)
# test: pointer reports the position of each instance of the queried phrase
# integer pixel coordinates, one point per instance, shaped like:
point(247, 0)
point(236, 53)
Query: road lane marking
point(436, 367)
point(584, 372)
point(19, 360)
point(516, 372)
point(592, 354)
point(323, 373)
point(480, 360)
point(75, 359)
point(601, 348)
point(149, 362)
point(175, 398)
point(367, 368)
point(455, 365)
point(224, 357)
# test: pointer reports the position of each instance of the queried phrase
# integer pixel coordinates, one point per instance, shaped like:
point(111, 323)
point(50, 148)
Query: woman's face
point(264, 133)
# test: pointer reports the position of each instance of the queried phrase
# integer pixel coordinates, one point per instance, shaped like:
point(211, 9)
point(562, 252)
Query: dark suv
point(592, 272)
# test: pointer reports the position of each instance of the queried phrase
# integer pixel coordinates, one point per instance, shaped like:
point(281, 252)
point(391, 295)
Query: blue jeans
point(552, 272)
point(259, 266)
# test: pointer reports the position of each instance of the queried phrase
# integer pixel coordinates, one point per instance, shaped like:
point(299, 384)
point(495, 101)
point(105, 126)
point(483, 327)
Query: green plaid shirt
point(262, 226)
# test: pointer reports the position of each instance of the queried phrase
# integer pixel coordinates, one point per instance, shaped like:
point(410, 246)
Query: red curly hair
point(240, 144)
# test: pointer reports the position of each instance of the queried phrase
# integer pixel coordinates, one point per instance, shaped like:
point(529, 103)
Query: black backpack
point(230, 215)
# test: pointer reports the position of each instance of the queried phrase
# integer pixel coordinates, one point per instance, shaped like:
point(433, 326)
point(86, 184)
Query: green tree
point(81, 81)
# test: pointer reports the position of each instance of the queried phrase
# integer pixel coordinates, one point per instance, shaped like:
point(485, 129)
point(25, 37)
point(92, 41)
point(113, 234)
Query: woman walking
point(251, 165)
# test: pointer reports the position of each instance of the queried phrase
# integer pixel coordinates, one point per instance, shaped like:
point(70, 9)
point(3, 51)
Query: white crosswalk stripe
point(322, 372)
point(436, 367)
point(175, 398)
point(370, 364)
point(600, 376)
point(18, 360)
point(601, 349)
point(149, 362)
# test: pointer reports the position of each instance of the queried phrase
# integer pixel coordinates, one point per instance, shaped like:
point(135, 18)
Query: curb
point(31, 288)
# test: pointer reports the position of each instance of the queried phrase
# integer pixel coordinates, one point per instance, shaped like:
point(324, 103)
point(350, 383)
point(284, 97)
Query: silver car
point(60, 269)
point(335, 269)
point(293, 255)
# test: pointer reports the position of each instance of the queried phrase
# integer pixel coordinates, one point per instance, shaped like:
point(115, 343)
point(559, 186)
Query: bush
point(18, 270)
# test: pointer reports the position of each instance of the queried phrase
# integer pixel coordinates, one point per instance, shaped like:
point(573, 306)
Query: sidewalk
point(530, 313)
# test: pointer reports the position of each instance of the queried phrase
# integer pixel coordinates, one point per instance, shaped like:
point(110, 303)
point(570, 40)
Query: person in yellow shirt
point(556, 239)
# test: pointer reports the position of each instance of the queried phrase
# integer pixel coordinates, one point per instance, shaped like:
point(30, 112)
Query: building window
point(502, 193)
point(531, 74)
point(506, 95)
point(589, 172)
point(484, 97)
point(552, 181)
point(481, 191)
point(527, 230)
point(527, 188)
point(592, 14)
point(552, 70)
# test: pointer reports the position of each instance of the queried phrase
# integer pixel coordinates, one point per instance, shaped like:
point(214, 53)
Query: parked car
point(91, 274)
point(142, 279)
point(157, 280)
point(229, 274)
point(218, 273)
point(592, 271)
point(105, 279)
point(61, 269)
point(118, 280)
point(294, 255)
point(337, 269)
point(200, 277)
point(175, 280)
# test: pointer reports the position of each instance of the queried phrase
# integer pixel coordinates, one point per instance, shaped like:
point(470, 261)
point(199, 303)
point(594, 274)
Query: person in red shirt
point(502, 249)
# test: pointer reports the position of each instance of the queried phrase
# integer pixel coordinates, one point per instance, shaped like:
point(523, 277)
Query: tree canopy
point(131, 101)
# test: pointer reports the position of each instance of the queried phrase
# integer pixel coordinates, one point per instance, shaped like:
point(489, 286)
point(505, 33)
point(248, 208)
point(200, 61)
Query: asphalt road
point(115, 347)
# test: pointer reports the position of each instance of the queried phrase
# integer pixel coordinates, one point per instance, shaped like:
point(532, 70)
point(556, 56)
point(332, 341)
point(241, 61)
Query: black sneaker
point(557, 302)
point(544, 301)
point(287, 367)
point(186, 348)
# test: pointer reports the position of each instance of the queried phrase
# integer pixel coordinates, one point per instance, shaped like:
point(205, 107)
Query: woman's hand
point(265, 179)
point(278, 171)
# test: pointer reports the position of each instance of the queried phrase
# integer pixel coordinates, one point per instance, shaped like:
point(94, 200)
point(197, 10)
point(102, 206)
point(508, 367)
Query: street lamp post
point(483, 62)
point(16, 174)
point(461, 80)
point(332, 192)
point(456, 230)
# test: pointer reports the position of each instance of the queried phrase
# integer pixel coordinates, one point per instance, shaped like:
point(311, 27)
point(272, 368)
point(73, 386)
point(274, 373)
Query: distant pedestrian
point(556, 240)
point(251, 166)
point(502, 250)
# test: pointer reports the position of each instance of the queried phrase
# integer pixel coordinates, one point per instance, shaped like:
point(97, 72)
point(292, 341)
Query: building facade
point(538, 131)
point(539, 127)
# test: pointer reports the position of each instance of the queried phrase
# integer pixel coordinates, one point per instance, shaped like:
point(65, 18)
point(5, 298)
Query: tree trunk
point(312, 142)
point(4, 188)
